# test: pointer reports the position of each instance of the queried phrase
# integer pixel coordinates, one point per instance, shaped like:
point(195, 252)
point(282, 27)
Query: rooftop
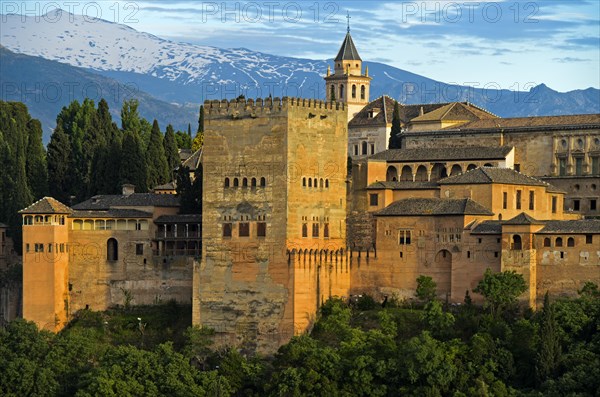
point(485, 175)
point(47, 205)
point(112, 213)
point(488, 227)
point(348, 50)
point(444, 154)
point(184, 218)
point(572, 226)
point(403, 185)
point(434, 206)
point(106, 202)
point(193, 161)
point(523, 219)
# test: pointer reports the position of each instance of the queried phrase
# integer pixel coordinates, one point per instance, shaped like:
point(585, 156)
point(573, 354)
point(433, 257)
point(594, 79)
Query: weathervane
point(348, 18)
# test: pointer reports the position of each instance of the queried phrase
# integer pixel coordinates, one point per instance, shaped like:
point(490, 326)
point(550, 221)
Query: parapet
point(242, 108)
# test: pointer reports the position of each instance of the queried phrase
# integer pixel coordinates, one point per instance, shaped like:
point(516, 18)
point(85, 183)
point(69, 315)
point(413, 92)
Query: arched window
point(570, 242)
point(304, 182)
point(28, 220)
point(341, 91)
point(263, 182)
point(362, 92)
point(421, 175)
point(245, 182)
point(546, 242)
point(558, 242)
point(315, 183)
point(471, 167)
point(353, 90)
point(309, 182)
point(488, 165)
point(112, 250)
point(304, 230)
point(236, 182)
point(226, 182)
point(332, 95)
point(406, 174)
point(327, 183)
point(391, 174)
point(253, 182)
point(456, 169)
point(321, 183)
point(364, 147)
point(517, 244)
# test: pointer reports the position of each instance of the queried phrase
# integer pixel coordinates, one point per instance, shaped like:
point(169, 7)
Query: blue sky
point(512, 44)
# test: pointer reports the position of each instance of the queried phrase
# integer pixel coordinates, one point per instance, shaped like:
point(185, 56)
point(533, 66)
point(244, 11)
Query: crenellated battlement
point(239, 108)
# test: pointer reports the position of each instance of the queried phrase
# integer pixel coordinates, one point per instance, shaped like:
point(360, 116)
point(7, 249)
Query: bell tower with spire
point(348, 84)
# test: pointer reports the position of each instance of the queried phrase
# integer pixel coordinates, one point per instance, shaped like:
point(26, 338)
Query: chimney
point(128, 189)
point(421, 112)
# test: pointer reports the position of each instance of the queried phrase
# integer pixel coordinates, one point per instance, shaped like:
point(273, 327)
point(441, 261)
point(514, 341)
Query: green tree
point(549, 351)
point(184, 141)
point(171, 152)
point(133, 170)
point(156, 161)
point(500, 290)
point(190, 192)
point(130, 118)
point(395, 141)
point(59, 153)
point(201, 120)
point(426, 289)
point(37, 172)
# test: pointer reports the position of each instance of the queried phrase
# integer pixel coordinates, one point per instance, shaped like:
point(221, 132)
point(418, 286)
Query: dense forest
point(359, 348)
point(88, 154)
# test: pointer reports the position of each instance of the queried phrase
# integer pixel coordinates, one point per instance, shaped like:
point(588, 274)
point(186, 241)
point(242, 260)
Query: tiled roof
point(484, 175)
point(488, 227)
point(348, 50)
point(403, 185)
point(572, 226)
point(193, 161)
point(443, 154)
point(112, 213)
point(185, 218)
point(455, 111)
point(523, 219)
point(386, 106)
point(47, 205)
point(106, 202)
point(434, 206)
point(536, 123)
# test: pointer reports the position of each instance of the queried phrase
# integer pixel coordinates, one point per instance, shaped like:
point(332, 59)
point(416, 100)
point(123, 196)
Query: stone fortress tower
point(348, 84)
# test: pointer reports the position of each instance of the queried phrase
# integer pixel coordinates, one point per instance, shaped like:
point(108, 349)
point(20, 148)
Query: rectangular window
point(304, 230)
point(139, 249)
point(468, 254)
point(261, 229)
point(576, 205)
point(589, 238)
point(49, 247)
point(244, 229)
point(372, 148)
point(227, 232)
point(595, 165)
point(326, 230)
point(554, 205)
point(578, 165)
point(504, 200)
point(518, 200)
point(356, 150)
point(531, 200)
point(62, 247)
point(593, 205)
point(315, 230)
point(27, 247)
point(495, 254)
point(404, 237)
point(562, 166)
point(518, 167)
point(374, 199)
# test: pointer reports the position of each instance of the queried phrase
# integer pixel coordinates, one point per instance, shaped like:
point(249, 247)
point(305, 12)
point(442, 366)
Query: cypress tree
point(190, 193)
point(156, 161)
point(37, 173)
point(133, 169)
point(171, 152)
point(190, 130)
point(201, 120)
point(395, 141)
point(549, 351)
point(59, 152)
point(130, 119)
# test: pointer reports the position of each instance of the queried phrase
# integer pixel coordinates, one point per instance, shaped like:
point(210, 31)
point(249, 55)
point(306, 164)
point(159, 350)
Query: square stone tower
point(274, 208)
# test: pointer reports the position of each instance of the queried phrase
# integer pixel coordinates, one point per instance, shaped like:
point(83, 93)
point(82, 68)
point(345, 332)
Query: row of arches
point(558, 242)
point(426, 173)
point(254, 182)
point(315, 183)
point(110, 224)
point(44, 220)
point(353, 93)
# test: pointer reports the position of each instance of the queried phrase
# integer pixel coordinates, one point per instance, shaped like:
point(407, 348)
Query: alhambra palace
point(287, 223)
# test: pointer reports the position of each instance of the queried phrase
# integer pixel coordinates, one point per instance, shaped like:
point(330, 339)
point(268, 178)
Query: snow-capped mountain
point(184, 73)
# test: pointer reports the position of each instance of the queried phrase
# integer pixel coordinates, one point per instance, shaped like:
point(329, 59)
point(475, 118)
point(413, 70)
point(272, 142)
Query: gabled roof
point(488, 227)
point(193, 161)
point(443, 154)
point(47, 205)
point(572, 226)
point(523, 219)
point(106, 202)
point(386, 106)
point(348, 50)
point(460, 111)
point(434, 206)
point(485, 175)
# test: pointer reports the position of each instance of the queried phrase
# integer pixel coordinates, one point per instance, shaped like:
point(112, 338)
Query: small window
point(236, 182)
point(244, 229)
point(315, 230)
point(558, 242)
point(479, 241)
point(304, 182)
point(589, 238)
point(570, 242)
point(139, 249)
point(404, 237)
point(321, 183)
point(531, 200)
point(518, 200)
point(468, 254)
point(263, 182)
point(226, 182)
point(49, 247)
point(364, 148)
point(309, 182)
point(326, 230)
point(576, 205)
point(326, 183)
point(593, 205)
point(562, 255)
point(504, 200)
point(253, 182)
point(227, 232)
point(495, 254)
point(372, 148)
point(261, 229)
point(304, 230)
point(546, 242)
point(374, 199)
point(356, 150)
point(112, 250)
point(554, 205)
point(245, 182)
